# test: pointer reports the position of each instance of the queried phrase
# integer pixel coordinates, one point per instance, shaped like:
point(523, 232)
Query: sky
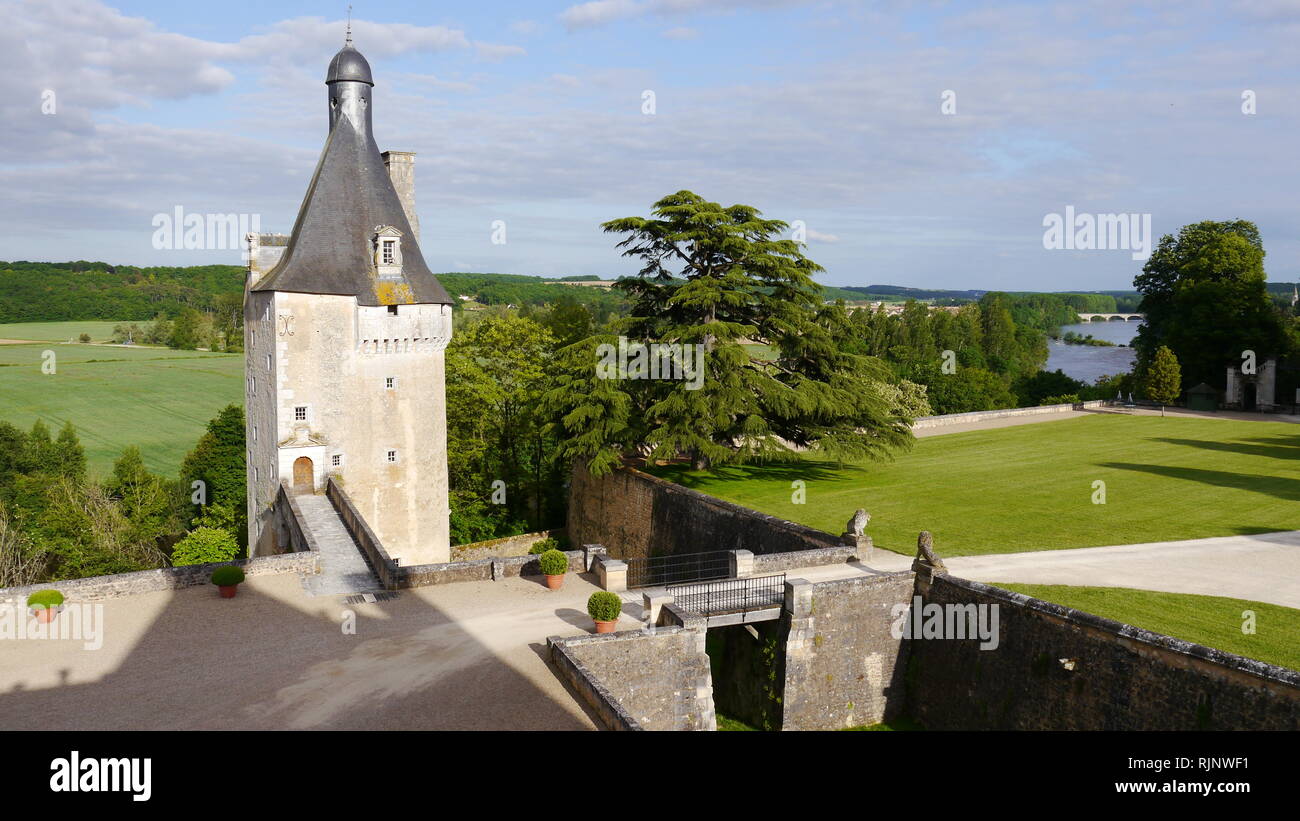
point(924, 144)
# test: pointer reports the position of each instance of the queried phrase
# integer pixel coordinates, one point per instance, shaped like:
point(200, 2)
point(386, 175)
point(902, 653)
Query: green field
point(1210, 620)
point(99, 330)
point(1031, 487)
point(156, 398)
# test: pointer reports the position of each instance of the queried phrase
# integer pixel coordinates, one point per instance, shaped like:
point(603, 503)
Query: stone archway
point(303, 475)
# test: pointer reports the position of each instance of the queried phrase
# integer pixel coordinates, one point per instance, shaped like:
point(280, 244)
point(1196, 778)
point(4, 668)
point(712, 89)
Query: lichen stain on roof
point(393, 293)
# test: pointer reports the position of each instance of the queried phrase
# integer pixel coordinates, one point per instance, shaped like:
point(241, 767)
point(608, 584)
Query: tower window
point(300, 413)
point(392, 456)
point(336, 460)
point(392, 310)
point(390, 382)
point(268, 362)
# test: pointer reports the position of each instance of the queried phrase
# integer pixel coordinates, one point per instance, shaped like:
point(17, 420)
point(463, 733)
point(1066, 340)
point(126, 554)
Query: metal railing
point(730, 596)
point(659, 571)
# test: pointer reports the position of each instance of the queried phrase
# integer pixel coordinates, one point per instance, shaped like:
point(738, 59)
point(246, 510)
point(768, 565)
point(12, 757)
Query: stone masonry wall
point(843, 666)
point(1122, 677)
point(634, 514)
point(637, 680)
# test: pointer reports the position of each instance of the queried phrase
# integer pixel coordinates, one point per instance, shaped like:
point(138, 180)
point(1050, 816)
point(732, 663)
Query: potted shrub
point(604, 607)
point(45, 604)
point(227, 579)
point(554, 565)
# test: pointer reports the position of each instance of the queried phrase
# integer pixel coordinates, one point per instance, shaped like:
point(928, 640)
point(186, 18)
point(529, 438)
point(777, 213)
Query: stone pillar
point(612, 574)
point(864, 547)
point(401, 170)
point(1266, 390)
point(1232, 395)
point(589, 554)
point(742, 564)
point(653, 601)
point(800, 645)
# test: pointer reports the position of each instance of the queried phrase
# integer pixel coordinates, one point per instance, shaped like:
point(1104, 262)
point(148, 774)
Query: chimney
point(401, 170)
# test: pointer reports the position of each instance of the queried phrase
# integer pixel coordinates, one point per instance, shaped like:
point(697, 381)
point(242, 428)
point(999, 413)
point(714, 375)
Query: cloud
point(600, 12)
point(820, 237)
point(681, 33)
point(525, 28)
point(492, 52)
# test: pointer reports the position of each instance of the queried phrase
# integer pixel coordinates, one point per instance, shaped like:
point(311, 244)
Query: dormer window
point(388, 251)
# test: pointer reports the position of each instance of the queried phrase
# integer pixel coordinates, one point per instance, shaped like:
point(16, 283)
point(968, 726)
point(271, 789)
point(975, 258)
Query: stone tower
point(345, 333)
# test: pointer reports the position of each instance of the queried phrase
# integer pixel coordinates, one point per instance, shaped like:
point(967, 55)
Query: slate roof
point(331, 250)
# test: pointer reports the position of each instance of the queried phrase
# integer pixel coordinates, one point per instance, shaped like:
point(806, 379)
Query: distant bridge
point(1111, 317)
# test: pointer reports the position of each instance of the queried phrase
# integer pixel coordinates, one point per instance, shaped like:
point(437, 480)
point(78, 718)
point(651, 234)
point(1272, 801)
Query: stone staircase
point(344, 569)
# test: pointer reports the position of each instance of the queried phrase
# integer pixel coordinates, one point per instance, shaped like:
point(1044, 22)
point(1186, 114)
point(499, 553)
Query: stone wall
point(634, 514)
point(506, 546)
point(98, 588)
point(639, 680)
point(1061, 669)
point(843, 665)
point(394, 576)
point(982, 416)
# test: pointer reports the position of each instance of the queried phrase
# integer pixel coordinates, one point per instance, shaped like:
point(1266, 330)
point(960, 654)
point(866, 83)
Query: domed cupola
point(349, 65)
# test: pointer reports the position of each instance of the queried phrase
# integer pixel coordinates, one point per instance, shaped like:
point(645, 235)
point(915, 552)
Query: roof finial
point(347, 41)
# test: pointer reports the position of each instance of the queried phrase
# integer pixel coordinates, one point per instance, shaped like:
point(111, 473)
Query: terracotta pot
point(228, 590)
point(45, 615)
point(606, 626)
point(554, 582)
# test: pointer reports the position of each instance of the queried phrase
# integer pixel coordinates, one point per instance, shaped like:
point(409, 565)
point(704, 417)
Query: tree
point(966, 390)
point(205, 545)
point(1204, 297)
point(218, 461)
point(494, 415)
point(147, 502)
point(188, 330)
point(68, 455)
point(1164, 379)
point(713, 278)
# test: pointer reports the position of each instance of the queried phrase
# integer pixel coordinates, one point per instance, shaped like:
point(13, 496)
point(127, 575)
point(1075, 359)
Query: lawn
point(100, 330)
point(1031, 487)
point(1210, 620)
point(158, 399)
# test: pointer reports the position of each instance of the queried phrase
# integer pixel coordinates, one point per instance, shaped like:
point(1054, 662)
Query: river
point(1087, 362)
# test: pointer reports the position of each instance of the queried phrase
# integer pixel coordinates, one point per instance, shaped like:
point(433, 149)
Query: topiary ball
point(553, 563)
point(45, 599)
point(604, 605)
point(227, 575)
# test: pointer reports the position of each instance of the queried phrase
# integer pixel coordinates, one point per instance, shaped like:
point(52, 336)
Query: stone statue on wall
point(855, 534)
point(925, 551)
point(858, 524)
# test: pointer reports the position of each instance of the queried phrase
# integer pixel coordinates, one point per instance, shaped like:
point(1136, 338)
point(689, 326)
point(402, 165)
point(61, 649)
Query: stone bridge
point(1111, 317)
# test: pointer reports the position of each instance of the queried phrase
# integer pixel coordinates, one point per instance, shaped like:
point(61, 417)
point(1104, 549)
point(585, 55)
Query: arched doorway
point(303, 481)
point(1248, 394)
